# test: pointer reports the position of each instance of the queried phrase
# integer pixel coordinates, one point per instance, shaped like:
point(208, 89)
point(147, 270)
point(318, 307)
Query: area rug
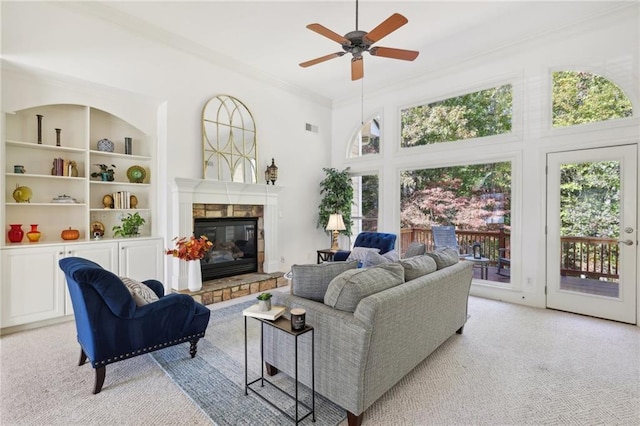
point(214, 379)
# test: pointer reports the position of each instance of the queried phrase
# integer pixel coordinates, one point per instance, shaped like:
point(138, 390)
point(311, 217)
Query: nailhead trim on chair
point(150, 349)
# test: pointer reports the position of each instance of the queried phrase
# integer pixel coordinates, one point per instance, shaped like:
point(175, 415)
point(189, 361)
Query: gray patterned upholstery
point(415, 249)
point(445, 256)
point(361, 355)
point(311, 281)
point(417, 266)
point(347, 289)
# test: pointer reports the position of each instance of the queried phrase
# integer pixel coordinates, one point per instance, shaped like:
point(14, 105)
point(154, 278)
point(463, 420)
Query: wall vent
point(311, 128)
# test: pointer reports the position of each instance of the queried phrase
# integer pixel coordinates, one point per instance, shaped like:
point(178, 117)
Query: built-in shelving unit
point(81, 127)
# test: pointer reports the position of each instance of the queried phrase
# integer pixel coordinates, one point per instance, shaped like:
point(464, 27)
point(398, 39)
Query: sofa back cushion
point(415, 249)
point(445, 256)
point(417, 266)
point(311, 281)
point(347, 289)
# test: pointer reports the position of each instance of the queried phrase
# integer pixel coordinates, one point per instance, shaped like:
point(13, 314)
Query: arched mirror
point(228, 141)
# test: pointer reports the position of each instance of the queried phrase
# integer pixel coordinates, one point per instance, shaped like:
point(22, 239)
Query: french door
point(591, 232)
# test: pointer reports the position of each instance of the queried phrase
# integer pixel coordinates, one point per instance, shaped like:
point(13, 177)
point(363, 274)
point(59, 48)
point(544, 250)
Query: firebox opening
point(235, 246)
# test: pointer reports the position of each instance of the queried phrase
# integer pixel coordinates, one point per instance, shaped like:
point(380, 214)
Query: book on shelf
point(274, 313)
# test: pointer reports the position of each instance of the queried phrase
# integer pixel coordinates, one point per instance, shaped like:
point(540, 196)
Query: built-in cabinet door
point(31, 290)
point(141, 259)
point(104, 254)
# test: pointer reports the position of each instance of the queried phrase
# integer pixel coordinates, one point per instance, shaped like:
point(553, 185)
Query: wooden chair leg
point(83, 357)
point(193, 348)
point(101, 372)
point(354, 420)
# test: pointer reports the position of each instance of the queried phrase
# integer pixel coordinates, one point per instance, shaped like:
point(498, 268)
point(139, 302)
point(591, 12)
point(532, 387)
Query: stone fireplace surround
point(191, 195)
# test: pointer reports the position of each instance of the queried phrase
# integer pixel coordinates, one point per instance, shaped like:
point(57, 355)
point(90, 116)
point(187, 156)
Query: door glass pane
point(590, 227)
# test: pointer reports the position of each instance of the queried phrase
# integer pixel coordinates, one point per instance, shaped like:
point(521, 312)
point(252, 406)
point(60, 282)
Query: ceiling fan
point(356, 42)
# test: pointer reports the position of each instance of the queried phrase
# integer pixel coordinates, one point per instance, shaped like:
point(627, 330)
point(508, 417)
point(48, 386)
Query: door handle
point(626, 242)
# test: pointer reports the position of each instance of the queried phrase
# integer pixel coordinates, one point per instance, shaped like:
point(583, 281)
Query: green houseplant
point(106, 173)
point(337, 194)
point(264, 300)
point(130, 225)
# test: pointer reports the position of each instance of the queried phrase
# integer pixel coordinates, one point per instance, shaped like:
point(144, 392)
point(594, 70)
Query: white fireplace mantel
point(187, 192)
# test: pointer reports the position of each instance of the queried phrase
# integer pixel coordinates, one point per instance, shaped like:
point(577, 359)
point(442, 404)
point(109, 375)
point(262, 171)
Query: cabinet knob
point(61, 253)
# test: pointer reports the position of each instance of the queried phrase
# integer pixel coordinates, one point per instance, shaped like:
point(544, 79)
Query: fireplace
point(235, 246)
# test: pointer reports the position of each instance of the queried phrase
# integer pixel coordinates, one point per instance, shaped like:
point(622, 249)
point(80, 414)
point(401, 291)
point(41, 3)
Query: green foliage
point(582, 97)
point(370, 202)
point(337, 194)
point(590, 199)
point(130, 225)
point(264, 296)
point(483, 113)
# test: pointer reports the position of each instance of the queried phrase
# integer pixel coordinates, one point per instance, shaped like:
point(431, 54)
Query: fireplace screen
point(235, 246)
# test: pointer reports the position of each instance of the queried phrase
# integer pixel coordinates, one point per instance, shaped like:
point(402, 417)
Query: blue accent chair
point(381, 240)
point(111, 327)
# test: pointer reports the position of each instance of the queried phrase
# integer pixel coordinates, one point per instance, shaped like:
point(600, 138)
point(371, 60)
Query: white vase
point(194, 275)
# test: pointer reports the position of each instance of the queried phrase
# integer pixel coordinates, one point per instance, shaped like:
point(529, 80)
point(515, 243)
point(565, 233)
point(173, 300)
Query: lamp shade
point(335, 223)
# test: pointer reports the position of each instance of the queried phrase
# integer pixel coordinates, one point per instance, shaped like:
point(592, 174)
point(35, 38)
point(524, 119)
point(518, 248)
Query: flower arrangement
point(191, 248)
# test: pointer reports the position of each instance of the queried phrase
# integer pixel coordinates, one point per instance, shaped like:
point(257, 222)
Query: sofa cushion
point(445, 256)
point(415, 249)
point(360, 253)
point(417, 266)
point(140, 292)
point(347, 289)
point(372, 259)
point(311, 281)
point(392, 255)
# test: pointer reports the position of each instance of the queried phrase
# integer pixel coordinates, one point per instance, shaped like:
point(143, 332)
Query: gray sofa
point(360, 355)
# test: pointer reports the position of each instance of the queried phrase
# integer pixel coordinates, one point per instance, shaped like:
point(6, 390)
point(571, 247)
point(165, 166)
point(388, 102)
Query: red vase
point(15, 234)
point(34, 234)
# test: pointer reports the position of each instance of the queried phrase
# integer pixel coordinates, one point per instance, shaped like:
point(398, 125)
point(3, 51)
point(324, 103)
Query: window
point(582, 97)
point(476, 199)
point(474, 115)
point(364, 211)
point(367, 140)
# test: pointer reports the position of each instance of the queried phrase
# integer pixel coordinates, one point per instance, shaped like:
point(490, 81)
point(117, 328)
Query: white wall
point(59, 49)
point(607, 46)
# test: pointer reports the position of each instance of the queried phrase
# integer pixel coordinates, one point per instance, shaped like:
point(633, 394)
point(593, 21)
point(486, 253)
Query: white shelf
point(32, 145)
point(120, 155)
point(38, 176)
point(119, 210)
point(46, 204)
point(101, 182)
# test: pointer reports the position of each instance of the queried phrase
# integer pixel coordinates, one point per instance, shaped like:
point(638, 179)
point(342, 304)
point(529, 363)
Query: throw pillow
point(360, 253)
point(392, 255)
point(347, 289)
point(372, 259)
point(415, 249)
point(417, 266)
point(311, 281)
point(141, 293)
point(445, 256)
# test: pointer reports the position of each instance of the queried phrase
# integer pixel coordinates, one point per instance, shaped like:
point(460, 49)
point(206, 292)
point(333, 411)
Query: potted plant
point(105, 173)
point(264, 300)
point(338, 197)
point(130, 225)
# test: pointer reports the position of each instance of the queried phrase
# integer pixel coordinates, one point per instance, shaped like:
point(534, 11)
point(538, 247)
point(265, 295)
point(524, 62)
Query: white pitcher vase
point(194, 275)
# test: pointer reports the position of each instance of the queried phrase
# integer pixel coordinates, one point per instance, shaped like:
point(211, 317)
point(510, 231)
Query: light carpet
point(514, 365)
point(214, 379)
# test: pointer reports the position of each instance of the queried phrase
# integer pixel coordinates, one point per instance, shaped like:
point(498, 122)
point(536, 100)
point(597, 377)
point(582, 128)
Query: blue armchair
point(380, 240)
point(111, 327)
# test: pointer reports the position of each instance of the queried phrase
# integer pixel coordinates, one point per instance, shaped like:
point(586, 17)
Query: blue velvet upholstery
point(380, 240)
point(110, 327)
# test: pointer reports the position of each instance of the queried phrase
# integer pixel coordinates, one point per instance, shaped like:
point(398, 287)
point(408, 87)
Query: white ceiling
point(270, 38)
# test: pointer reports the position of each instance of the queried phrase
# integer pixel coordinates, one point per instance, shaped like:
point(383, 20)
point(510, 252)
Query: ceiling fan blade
point(389, 52)
point(357, 68)
point(321, 59)
point(388, 26)
point(328, 33)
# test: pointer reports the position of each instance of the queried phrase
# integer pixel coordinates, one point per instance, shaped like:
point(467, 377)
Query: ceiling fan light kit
point(357, 42)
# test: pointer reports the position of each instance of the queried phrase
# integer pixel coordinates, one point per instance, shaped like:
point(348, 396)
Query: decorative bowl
point(136, 174)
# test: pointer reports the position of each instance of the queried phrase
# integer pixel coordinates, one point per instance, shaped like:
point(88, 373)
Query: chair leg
point(101, 372)
point(83, 357)
point(194, 348)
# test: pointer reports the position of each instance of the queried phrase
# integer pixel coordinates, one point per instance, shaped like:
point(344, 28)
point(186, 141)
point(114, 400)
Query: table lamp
point(335, 225)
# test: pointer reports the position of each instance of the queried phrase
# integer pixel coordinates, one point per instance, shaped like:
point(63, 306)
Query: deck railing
point(580, 256)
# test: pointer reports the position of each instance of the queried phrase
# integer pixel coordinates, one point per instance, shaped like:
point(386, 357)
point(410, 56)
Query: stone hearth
point(222, 289)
